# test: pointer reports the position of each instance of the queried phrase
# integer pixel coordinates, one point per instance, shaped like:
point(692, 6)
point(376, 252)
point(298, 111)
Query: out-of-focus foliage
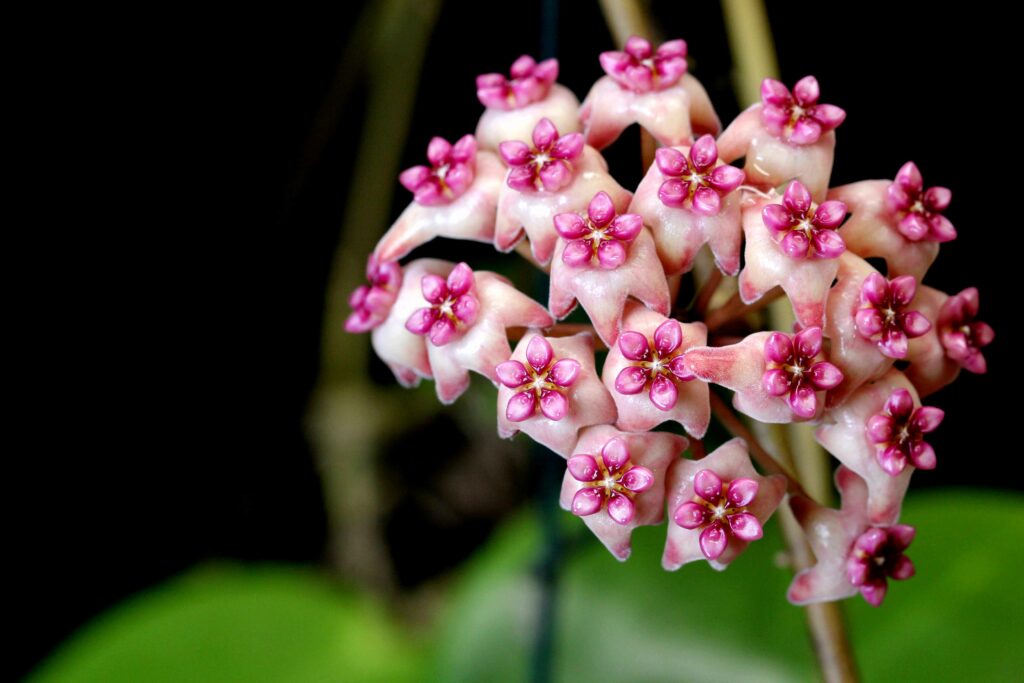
point(961, 617)
point(226, 624)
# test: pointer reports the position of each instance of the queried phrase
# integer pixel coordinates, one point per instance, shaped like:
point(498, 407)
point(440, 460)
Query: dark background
point(173, 432)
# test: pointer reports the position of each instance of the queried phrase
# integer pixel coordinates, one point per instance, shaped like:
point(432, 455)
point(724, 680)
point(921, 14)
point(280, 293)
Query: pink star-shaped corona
point(514, 105)
point(849, 432)
point(455, 197)
point(371, 303)
point(550, 390)
point(649, 87)
point(792, 244)
point(615, 481)
point(403, 351)
point(852, 556)
point(777, 378)
point(646, 376)
point(784, 137)
point(954, 342)
point(897, 220)
point(556, 175)
point(869, 323)
point(603, 259)
point(689, 198)
point(469, 315)
point(717, 505)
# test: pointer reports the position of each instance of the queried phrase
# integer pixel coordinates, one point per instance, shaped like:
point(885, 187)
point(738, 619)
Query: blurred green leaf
point(225, 624)
point(960, 618)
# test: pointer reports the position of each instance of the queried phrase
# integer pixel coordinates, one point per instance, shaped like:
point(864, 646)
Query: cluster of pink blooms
point(533, 170)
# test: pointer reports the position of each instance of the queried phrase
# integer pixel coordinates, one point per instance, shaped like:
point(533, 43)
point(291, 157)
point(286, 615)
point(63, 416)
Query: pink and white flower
point(689, 198)
point(604, 258)
point(785, 136)
point(550, 390)
point(868, 322)
point(849, 432)
point(514, 105)
point(558, 174)
point(649, 87)
point(777, 377)
point(467, 325)
point(371, 303)
point(615, 481)
point(456, 196)
point(954, 342)
point(719, 505)
point(852, 556)
point(646, 375)
point(897, 220)
point(793, 245)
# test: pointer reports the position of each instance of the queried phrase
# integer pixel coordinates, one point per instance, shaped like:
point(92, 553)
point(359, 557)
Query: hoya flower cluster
point(868, 345)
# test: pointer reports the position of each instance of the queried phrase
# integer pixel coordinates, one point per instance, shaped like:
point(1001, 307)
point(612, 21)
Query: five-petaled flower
point(530, 83)
point(642, 69)
point(695, 180)
point(656, 365)
point(804, 229)
point(876, 556)
point(719, 510)
point(371, 303)
point(452, 307)
point(898, 433)
point(541, 383)
point(548, 165)
point(882, 315)
point(610, 482)
point(718, 506)
point(794, 371)
point(449, 175)
point(602, 237)
point(919, 211)
point(797, 116)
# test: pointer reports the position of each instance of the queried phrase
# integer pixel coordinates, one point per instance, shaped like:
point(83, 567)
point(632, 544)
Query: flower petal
point(671, 162)
point(725, 179)
point(927, 419)
point(742, 491)
point(631, 380)
point(587, 501)
point(466, 308)
point(611, 254)
point(583, 468)
point(615, 454)
point(713, 541)
point(674, 192)
point(435, 289)
point(923, 455)
point(438, 151)
point(708, 486)
point(539, 353)
point(663, 393)
point(460, 280)
point(706, 201)
point(634, 345)
point(553, 404)
point(690, 515)
point(880, 428)
point(777, 219)
point(909, 178)
point(601, 209)
point(515, 152)
point(555, 175)
point(638, 479)
point(442, 331)
point(827, 244)
point(421, 320)
point(795, 244)
point(778, 348)
point(830, 214)
point(825, 376)
point(621, 508)
point(564, 372)
point(745, 526)
point(704, 153)
point(807, 131)
point(568, 147)
point(570, 226)
point(797, 198)
point(775, 382)
point(512, 374)
point(520, 407)
point(868, 322)
point(774, 92)
point(806, 91)
point(807, 343)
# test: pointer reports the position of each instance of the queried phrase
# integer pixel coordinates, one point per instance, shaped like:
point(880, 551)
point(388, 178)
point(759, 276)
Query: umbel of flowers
point(534, 171)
